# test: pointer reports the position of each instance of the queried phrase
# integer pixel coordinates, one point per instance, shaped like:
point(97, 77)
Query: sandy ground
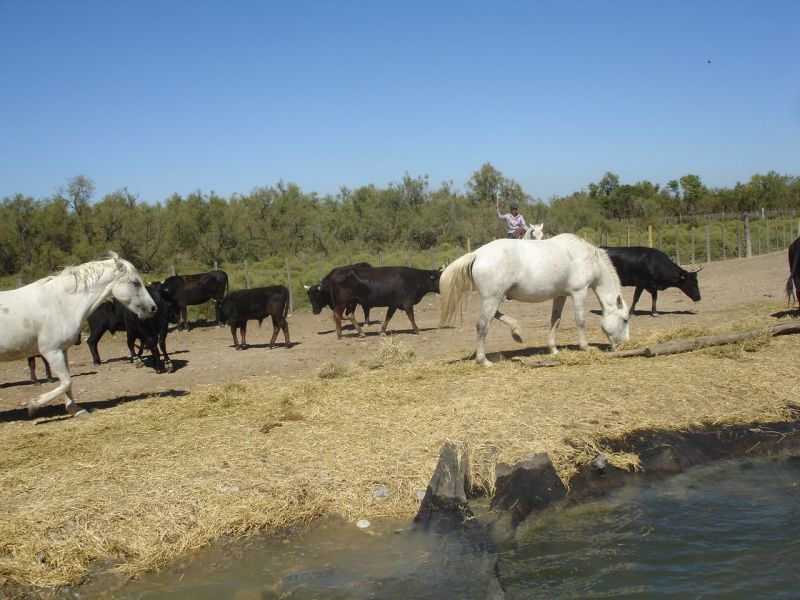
point(205, 354)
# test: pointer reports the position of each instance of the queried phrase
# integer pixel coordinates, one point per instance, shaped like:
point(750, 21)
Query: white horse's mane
point(87, 273)
point(600, 255)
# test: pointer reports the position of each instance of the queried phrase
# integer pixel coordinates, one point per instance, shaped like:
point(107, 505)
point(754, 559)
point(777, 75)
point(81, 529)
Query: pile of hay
point(140, 484)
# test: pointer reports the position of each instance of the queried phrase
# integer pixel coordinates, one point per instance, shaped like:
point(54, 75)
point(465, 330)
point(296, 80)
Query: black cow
point(151, 333)
point(113, 317)
point(319, 294)
point(183, 290)
point(256, 304)
point(793, 283)
point(393, 287)
point(652, 270)
point(109, 316)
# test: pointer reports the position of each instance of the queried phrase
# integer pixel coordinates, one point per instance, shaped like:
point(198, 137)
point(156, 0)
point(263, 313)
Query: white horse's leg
point(555, 321)
point(578, 300)
point(488, 311)
point(516, 330)
point(58, 364)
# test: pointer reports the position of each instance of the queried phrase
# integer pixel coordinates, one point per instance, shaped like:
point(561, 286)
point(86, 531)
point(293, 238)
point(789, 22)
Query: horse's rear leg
point(555, 321)
point(516, 330)
point(488, 311)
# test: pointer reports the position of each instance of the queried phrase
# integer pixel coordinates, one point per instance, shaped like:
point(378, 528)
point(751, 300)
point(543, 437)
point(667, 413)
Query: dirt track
point(205, 354)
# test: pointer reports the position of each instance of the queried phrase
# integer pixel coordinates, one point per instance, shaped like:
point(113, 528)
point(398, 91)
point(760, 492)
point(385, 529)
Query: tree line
point(37, 236)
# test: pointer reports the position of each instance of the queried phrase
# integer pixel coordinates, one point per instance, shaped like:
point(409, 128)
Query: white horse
point(45, 317)
point(534, 232)
point(535, 271)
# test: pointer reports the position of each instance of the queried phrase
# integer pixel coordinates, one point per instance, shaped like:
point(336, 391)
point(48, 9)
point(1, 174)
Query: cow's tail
point(286, 304)
point(453, 286)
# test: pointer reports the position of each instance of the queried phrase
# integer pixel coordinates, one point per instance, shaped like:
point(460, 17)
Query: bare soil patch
point(742, 288)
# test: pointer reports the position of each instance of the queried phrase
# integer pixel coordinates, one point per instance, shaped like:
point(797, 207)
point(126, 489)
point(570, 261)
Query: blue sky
point(172, 96)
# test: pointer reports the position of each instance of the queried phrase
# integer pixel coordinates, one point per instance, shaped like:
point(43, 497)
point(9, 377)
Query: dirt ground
point(204, 355)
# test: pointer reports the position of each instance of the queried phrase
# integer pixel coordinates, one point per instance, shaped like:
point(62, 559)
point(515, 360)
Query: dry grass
point(140, 484)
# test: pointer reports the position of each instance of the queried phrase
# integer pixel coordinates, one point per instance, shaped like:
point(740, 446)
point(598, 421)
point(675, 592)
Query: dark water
point(728, 530)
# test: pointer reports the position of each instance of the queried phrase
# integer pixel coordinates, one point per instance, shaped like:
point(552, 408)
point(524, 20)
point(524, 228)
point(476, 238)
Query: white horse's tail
point(454, 283)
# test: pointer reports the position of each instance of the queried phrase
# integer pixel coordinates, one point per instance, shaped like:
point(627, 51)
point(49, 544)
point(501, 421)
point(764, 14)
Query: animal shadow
point(41, 380)
point(53, 413)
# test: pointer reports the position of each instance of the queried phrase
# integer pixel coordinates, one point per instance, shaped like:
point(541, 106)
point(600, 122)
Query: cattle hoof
point(32, 408)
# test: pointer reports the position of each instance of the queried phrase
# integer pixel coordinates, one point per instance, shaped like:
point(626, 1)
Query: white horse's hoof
point(82, 414)
point(517, 336)
point(32, 408)
point(553, 350)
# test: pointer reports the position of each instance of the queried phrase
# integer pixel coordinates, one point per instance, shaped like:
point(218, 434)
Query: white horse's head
point(534, 232)
point(129, 289)
point(615, 323)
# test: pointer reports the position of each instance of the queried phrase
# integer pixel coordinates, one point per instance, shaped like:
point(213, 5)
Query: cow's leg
point(337, 323)
point(366, 314)
point(488, 312)
point(796, 279)
point(162, 341)
point(94, 337)
point(235, 339)
point(47, 371)
point(136, 358)
point(578, 300)
point(410, 313)
point(32, 369)
point(389, 314)
point(555, 321)
point(653, 309)
point(58, 362)
point(243, 331)
point(156, 357)
point(275, 329)
point(636, 294)
point(184, 322)
point(285, 327)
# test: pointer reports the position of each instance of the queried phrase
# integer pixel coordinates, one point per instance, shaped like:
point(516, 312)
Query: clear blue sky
point(177, 96)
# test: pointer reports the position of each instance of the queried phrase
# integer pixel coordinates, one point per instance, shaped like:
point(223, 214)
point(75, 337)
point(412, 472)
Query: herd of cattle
point(342, 290)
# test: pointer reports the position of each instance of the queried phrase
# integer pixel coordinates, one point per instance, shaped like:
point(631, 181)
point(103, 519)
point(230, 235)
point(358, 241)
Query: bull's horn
point(307, 287)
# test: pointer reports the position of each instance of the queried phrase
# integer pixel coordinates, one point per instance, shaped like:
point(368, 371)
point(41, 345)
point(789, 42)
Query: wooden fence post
point(724, 249)
point(766, 234)
point(380, 258)
point(748, 245)
point(708, 244)
point(677, 246)
point(409, 254)
point(694, 232)
point(215, 266)
point(650, 236)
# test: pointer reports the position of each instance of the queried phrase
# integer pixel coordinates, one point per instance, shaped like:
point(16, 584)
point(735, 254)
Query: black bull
point(393, 287)
point(319, 294)
point(183, 290)
point(652, 270)
point(150, 333)
point(256, 304)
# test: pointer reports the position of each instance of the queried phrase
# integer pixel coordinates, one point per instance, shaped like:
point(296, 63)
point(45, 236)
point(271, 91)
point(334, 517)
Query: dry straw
point(140, 484)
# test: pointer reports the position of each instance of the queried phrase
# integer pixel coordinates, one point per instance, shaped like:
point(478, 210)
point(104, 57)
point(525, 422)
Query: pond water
point(726, 530)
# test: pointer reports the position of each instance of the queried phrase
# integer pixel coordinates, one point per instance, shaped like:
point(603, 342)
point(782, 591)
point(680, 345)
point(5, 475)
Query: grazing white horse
point(45, 317)
point(535, 271)
point(534, 232)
